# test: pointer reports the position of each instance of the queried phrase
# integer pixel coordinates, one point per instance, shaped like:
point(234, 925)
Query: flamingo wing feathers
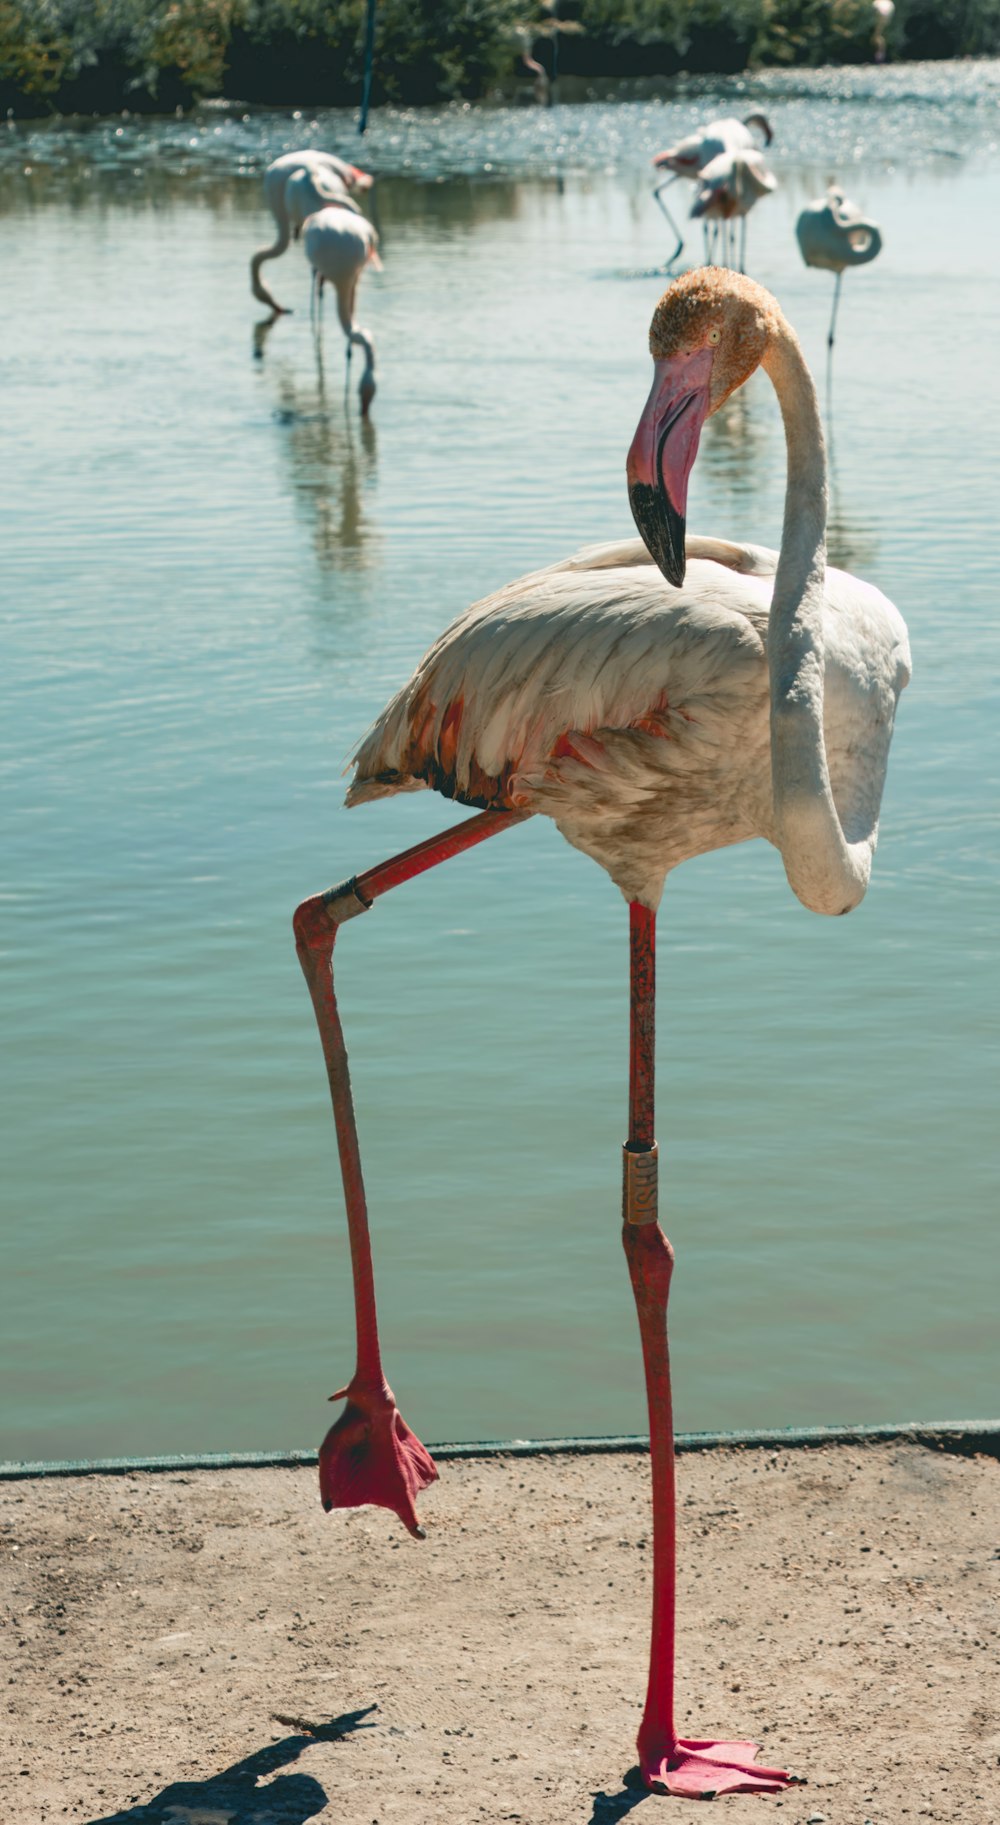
point(633, 714)
point(552, 660)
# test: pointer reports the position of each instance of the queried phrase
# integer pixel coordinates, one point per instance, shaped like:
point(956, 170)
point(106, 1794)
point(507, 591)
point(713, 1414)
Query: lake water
point(213, 576)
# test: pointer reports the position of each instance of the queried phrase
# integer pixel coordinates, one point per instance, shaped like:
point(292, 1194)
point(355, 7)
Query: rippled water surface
point(213, 576)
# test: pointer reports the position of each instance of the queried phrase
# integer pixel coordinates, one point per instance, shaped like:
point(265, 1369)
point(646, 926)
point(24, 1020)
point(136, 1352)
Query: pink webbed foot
point(370, 1455)
point(701, 1769)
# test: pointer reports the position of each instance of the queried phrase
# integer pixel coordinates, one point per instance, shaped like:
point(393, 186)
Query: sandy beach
point(208, 1648)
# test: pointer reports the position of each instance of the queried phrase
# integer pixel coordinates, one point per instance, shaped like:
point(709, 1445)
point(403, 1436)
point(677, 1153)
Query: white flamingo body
point(308, 190)
point(833, 234)
point(339, 245)
point(295, 185)
point(728, 187)
point(730, 184)
point(636, 715)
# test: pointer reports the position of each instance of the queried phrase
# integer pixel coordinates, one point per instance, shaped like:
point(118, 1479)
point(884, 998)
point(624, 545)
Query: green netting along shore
point(99, 56)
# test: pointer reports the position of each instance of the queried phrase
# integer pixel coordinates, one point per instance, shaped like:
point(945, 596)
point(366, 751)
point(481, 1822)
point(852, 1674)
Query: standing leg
point(833, 314)
point(696, 1768)
point(658, 194)
point(369, 1454)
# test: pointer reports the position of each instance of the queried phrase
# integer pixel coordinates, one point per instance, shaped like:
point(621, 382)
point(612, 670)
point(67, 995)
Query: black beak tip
point(661, 529)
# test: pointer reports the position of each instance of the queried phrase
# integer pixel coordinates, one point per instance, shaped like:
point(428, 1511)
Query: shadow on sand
point(609, 1807)
point(233, 1796)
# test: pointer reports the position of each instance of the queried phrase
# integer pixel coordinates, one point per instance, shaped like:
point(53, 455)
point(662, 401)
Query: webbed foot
point(370, 1455)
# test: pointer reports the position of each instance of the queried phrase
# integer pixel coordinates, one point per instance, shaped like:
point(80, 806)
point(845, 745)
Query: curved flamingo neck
point(827, 873)
point(257, 285)
point(364, 341)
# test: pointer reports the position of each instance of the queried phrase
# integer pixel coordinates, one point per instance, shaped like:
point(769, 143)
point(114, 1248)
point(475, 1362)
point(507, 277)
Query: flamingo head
point(709, 332)
point(366, 385)
point(761, 120)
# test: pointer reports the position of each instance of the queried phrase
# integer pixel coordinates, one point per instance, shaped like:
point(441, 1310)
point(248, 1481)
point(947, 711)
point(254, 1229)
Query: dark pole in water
point(366, 85)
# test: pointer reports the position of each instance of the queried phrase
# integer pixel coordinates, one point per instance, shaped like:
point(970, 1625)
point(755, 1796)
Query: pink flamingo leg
point(697, 1768)
point(369, 1454)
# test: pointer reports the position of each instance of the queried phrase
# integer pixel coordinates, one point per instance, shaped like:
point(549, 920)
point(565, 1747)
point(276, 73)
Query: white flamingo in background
point(306, 191)
point(691, 155)
point(337, 178)
point(339, 245)
point(728, 187)
point(884, 11)
point(656, 700)
point(832, 234)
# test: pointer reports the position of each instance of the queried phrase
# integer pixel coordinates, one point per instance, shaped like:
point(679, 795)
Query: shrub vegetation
point(98, 56)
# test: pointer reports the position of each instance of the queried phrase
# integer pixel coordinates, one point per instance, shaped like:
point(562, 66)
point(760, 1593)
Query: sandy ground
point(837, 1604)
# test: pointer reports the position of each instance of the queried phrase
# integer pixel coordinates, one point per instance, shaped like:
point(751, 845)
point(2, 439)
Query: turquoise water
point(213, 576)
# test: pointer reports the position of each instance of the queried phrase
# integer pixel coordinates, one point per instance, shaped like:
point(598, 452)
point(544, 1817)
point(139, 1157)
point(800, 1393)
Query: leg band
point(639, 1185)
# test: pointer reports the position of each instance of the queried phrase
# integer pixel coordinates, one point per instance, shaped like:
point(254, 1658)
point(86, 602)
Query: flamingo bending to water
point(339, 245)
point(332, 178)
point(656, 702)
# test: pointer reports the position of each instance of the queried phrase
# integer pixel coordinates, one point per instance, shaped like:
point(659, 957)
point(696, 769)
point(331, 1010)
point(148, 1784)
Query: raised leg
point(369, 1454)
point(697, 1768)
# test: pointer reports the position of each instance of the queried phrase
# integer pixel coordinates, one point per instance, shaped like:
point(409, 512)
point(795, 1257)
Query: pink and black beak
point(662, 455)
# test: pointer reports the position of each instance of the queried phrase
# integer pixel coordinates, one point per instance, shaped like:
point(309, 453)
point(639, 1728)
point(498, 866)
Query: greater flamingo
point(339, 246)
point(884, 11)
point(335, 176)
point(832, 233)
point(653, 717)
point(728, 187)
point(691, 154)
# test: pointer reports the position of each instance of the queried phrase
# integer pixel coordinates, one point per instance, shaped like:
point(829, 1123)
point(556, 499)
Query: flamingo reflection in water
point(833, 234)
point(657, 700)
point(294, 185)
point(332, 458)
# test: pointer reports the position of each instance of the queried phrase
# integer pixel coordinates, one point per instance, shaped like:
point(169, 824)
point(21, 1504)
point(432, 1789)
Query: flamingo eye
point(714, 336)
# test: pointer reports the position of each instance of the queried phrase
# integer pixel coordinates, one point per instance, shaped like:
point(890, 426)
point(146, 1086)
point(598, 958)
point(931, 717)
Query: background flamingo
point(337, 178)
point(832, 233)
point(339, 245)
point(691, 155)
point(884, 11)
point(728, 187)
point(653, 717)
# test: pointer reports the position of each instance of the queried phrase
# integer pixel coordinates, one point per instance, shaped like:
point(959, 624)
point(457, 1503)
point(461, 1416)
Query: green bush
point(310, 52)
point(102, 55)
